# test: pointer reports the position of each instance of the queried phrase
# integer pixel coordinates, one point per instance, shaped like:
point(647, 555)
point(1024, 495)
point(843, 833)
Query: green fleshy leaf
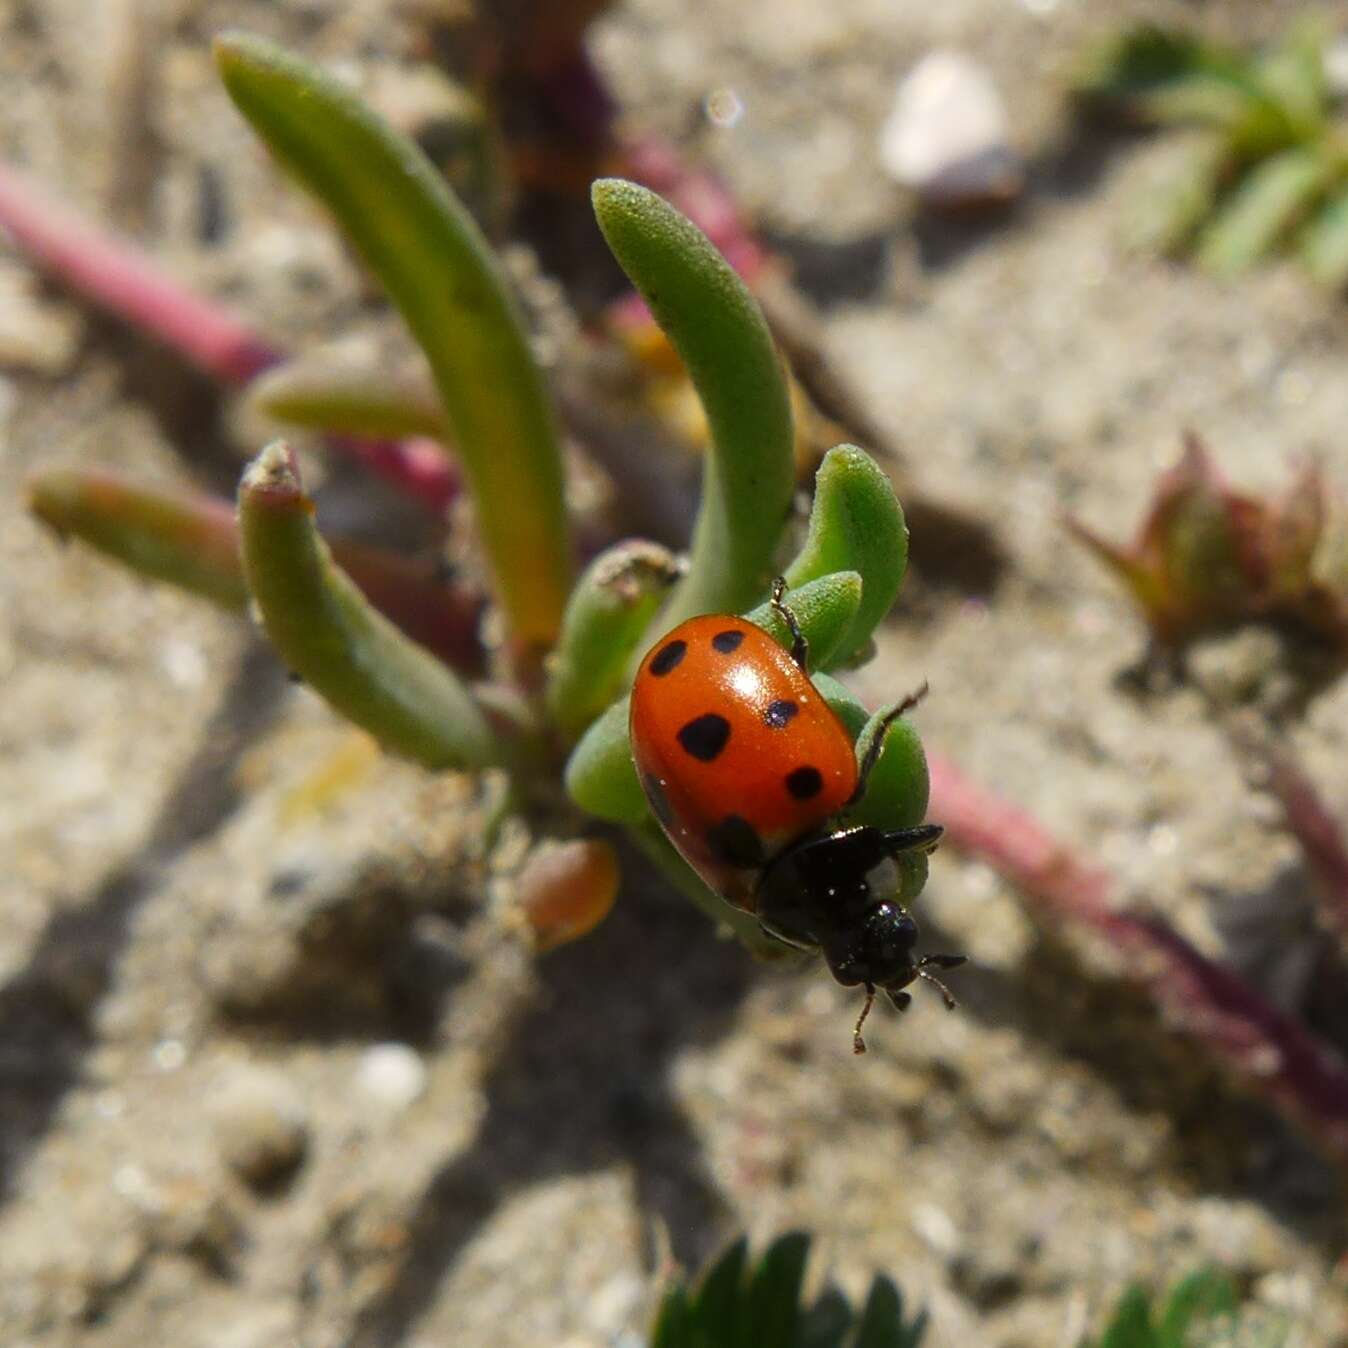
point(1263, 209)
point(341, 397)
point(1146, 57)
point(1165, 217)
point(328, 634)
point(846, 706)
point(720, 334)
point(1324, 242)
point(191, 540)
point(608, 613)
point(1293, 74)
point(896, 795)
point(856, 524)
point(404, 221)
point(1205, 99)
point(182, 537)
point(600, 775)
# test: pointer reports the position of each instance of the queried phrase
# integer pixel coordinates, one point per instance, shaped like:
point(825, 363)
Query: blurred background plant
point(1266, 164)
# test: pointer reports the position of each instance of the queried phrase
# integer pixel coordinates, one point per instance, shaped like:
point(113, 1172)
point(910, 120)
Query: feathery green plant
point(1201, 1311)
point(737, 1303)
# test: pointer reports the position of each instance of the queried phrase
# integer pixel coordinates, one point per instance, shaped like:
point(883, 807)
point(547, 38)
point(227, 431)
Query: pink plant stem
point(117, 277)
point(1269, 1050)
point(1318, 832)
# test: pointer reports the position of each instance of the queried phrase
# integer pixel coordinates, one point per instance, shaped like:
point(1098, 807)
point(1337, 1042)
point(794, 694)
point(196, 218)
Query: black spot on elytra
point(659, 802)
point(734, 842)
point(727, 641)
point(668, 658)
point(780, 713)
point(804, 783)
point(705, 737)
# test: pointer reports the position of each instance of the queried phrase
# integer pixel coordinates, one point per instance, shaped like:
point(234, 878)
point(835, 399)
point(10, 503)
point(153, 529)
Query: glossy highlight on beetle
point(747, 768)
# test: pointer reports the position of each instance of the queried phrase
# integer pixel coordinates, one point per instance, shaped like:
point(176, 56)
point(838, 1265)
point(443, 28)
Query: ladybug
point(747, 768)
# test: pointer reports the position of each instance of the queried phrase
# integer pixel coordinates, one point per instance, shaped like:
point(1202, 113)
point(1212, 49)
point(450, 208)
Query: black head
point(875, 950)
point(839, 892)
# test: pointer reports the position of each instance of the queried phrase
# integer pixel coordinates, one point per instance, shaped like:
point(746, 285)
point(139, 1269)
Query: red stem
point(1318, 832)
point(1270, 1050)
point(117, 277)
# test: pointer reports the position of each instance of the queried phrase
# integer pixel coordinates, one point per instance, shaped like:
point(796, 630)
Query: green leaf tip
point(736, 1303)
point(179, 536)
point(346, 397)
point(717, 328)
point(406, 224)
point(609, 611)
point(856, 524)
point(332, 638)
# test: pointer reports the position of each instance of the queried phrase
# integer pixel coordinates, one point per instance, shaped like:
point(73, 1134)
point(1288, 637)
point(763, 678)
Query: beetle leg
point(876, 747)
point(858, 1043)
point(800, 647)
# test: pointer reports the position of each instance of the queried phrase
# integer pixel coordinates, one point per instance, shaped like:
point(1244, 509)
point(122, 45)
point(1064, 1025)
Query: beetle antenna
point(950, 1002)
point(858, 1043)
point(944, 961)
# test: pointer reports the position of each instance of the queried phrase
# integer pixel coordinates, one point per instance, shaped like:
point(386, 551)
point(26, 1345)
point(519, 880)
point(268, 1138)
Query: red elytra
point(737, 752)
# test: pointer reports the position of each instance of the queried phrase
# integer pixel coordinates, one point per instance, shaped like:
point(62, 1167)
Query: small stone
point(391, 1075)
point(947, 136)
point(260, 1126)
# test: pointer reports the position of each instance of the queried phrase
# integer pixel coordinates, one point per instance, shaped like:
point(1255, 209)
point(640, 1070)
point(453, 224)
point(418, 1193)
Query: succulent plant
point(398, 650)
point(1208, 556)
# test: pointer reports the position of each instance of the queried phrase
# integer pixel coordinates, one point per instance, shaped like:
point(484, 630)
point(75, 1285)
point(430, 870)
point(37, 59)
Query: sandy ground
point(205, 1136)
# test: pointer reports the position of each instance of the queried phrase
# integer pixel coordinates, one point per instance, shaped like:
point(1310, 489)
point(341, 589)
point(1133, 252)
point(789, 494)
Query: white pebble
point(392, 1075)
point(947, 136)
